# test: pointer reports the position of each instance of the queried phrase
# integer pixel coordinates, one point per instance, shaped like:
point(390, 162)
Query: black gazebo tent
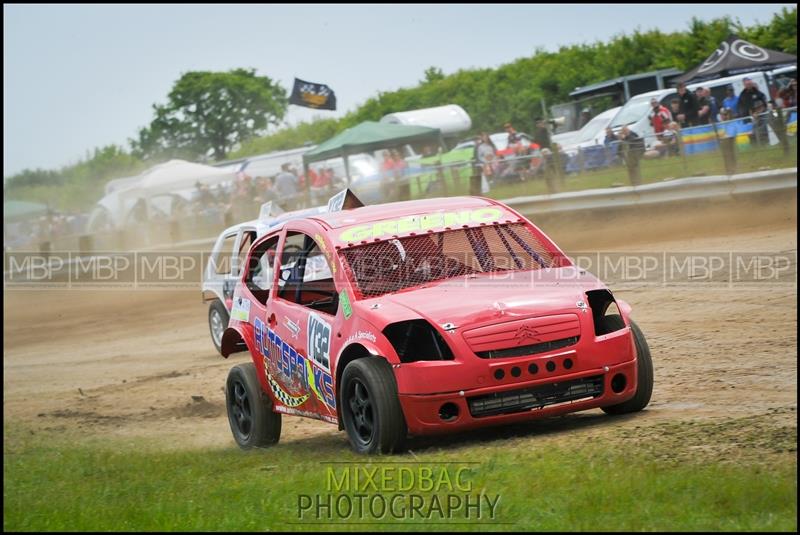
point(735, 55)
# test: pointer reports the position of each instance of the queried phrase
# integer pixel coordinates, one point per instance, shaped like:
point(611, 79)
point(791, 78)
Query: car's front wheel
point(644, 372)
point(371, 408)
point(253, 422)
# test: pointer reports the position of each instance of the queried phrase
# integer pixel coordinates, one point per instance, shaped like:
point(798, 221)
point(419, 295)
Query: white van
point(635, 113)
point(592, 133)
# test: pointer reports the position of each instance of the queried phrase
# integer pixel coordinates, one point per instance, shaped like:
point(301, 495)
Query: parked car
point(592, 133)
point(422, 317)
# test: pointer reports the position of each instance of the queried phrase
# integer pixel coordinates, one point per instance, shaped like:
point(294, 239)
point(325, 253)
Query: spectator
point(286, 183)
point(327, 177)
point(760, 135)
point(726, 115)
point(264, 190)
point(513, 137)
point(485, 152)
point(387, 166)
point(633, 142)
point(319, 184)
point(714, 105)
point(611, 137)
point(400, 164)
point(669, 140)
point(705, 109)
point(675, 110)
point(747, 98)
point(541, 135)
point(659, 116)
point(789, 95)
point(301, 178)
point(731, 102)
point(204, 197)
point(317, 180)
point(688, 107)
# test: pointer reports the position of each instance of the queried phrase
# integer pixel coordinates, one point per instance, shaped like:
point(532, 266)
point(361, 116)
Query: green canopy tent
point(369, 136)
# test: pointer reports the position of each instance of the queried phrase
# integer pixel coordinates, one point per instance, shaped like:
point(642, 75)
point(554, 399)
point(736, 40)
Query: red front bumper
point(423, 413)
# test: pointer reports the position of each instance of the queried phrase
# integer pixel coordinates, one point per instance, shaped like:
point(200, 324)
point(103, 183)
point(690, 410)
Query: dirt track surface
point(140, 364)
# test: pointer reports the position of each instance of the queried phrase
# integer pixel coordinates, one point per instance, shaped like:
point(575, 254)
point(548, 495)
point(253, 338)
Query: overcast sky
point(78, 77)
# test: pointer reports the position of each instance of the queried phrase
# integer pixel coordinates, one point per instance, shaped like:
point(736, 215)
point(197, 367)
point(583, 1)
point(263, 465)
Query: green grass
point(53, 483)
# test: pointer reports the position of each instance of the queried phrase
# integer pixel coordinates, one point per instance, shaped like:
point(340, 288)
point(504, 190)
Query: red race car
point(423, 317)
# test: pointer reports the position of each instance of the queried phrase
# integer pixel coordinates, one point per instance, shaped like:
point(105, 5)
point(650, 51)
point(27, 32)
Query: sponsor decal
point(292, 326)
point(319, 341)
point(347, 309)
point(421, 222)
point(308, 414)
point(241, 309)
point(298, 375)
point(361, 335)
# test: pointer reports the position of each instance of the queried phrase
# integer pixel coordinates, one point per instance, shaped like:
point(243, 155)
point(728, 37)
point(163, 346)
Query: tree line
point(216, 116)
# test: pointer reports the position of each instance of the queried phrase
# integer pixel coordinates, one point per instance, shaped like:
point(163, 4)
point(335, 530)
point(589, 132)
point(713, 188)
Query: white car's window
point(631, 112)
point(222, 257)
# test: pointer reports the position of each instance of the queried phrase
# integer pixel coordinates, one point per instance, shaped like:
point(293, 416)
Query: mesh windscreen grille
point(393, 265)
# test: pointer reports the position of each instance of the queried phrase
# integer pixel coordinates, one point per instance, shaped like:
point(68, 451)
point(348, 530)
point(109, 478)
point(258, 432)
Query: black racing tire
point(253, 421)
point(218, 317)
point(644, 386)
point(371, 411)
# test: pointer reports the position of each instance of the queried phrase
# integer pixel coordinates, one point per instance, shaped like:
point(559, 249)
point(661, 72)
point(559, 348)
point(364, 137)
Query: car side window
point(248, 237)
point(305, 275)
point(260, 272)
point(222, 257)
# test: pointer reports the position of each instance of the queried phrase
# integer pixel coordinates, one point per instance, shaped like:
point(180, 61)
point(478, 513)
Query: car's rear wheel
point(644, 371)
point(373, 418)
point(253, 422)
point(217, 323)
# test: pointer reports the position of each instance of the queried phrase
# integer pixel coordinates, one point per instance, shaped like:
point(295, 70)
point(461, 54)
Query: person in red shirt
point(387, 166)
point(399, 163)
point(660, 117)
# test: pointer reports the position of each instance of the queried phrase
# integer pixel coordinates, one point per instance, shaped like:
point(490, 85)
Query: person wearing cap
point(748, 97)
point(731, 102)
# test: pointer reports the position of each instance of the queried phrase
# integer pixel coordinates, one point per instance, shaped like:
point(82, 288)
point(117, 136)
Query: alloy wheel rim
point(240, 409)
point(216, 327)
point(361, 411)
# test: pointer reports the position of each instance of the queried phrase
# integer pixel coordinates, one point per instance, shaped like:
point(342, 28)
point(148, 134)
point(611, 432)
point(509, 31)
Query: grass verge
point(53, 483)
